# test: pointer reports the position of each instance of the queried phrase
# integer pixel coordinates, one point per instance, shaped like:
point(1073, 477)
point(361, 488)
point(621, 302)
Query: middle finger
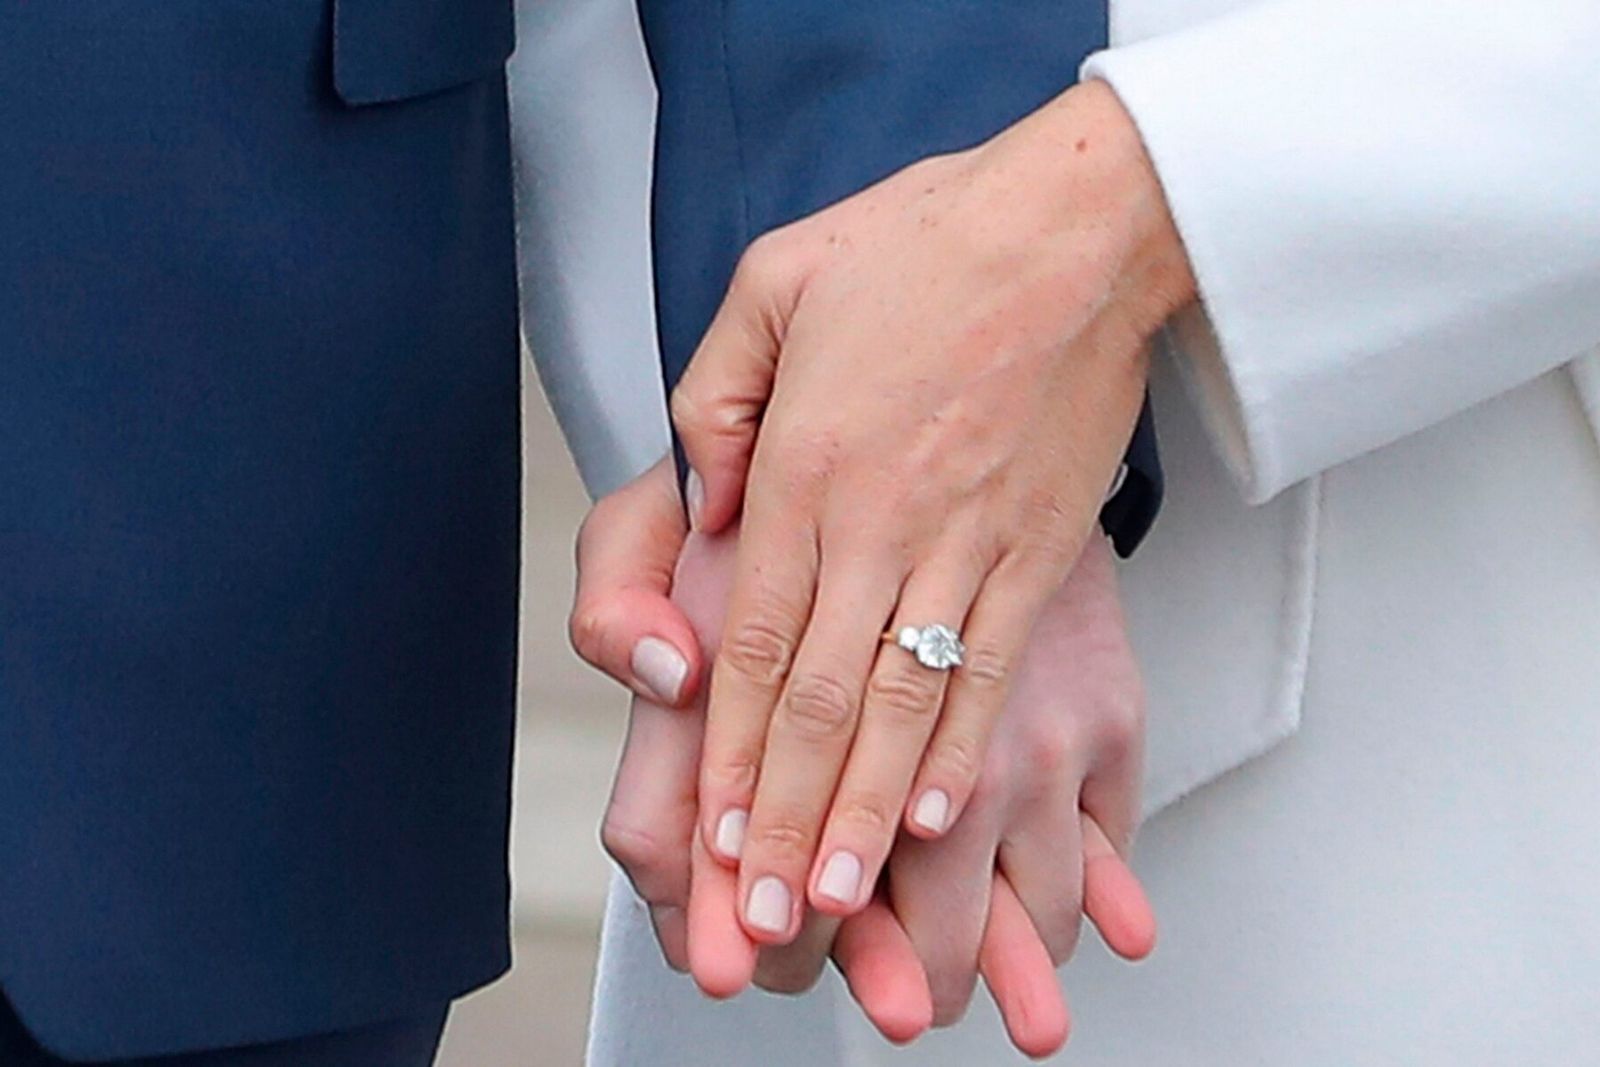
point(767, 610)
point(1042, 857)
point(940, 892)
point(794, 968)
point(808, 739)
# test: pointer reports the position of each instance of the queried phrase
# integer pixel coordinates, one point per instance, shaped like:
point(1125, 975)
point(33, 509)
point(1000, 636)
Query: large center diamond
point(936, 647)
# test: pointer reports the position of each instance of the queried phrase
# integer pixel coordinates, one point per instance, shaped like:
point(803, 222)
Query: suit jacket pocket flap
point(393, 49)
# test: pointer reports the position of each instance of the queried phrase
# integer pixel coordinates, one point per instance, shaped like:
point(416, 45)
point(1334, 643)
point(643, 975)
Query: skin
point(944, 370)
point(1001, 897)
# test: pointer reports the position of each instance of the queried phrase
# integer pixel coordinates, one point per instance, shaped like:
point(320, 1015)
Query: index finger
point(722, 958)
point(650, 817)
point(774, 582)
point(718, 404)
point(1021, 978)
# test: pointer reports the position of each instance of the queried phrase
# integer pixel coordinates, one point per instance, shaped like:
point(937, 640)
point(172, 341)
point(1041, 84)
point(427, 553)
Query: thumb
point(718, 403)
point(623, 621)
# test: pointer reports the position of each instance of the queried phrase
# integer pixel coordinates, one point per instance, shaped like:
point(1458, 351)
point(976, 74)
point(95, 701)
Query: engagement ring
point(936, 646)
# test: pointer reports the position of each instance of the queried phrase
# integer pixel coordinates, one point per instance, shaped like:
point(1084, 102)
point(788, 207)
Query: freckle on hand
point(1083, 143)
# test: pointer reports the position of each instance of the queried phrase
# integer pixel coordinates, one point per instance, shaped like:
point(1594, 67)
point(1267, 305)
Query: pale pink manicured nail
point(841, 878)
point(660, 668)
point(730, 833)
point(768, 906)
point(694, 496)
point(932, 811)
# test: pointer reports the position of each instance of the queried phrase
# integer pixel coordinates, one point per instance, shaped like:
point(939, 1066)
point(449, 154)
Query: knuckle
point(1046, 510)
point(787, 839)
point(801, 460)
point(1044, 556)
point(1122, 727)
point(760, 649)
point(987, 668)
point(1048, 755)
point(767, 263)
point(700, 415)
point(688, 410)
point(635, 849)
point(819, 707)
point(905, 693)
point(976, 548)
point(958, 758)
point(586, 631)
point(734, 776)
point(868, 815)
point(1046, 506)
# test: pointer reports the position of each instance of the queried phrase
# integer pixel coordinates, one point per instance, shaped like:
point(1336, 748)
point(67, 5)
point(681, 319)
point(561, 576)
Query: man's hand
point(944, 370)
point(622, 621)
point(1056, 804)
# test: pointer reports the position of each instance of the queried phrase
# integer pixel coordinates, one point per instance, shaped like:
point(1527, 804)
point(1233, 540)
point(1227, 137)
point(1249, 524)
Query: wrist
point(1092, 192)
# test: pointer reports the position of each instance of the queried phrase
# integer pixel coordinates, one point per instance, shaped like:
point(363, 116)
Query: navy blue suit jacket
point(770, 110)
point(258, 514)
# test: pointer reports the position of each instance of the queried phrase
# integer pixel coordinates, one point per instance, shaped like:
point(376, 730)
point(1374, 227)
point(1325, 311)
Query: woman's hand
point(945, 370)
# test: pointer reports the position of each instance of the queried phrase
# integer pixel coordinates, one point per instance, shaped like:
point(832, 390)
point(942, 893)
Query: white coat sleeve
point(1392, 208)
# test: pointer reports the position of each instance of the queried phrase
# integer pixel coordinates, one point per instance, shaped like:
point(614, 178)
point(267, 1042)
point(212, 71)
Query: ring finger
point(902, 703)
point(807, 741)
point(940, 892)
point(1042, 857)
point(998, 624)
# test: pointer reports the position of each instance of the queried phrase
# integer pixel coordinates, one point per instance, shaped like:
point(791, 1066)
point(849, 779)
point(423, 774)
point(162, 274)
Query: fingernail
point(660, 668)
point(932, 811)
point(841, 878)
point(694, 495)
point(768, 907)
point(730, 833)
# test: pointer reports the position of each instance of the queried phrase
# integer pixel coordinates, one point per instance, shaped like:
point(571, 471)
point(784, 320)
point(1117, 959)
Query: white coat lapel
point(1586, 372)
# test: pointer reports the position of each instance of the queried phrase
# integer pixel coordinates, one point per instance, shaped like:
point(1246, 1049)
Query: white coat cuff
point(1365, 267)
point(1226, 342)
